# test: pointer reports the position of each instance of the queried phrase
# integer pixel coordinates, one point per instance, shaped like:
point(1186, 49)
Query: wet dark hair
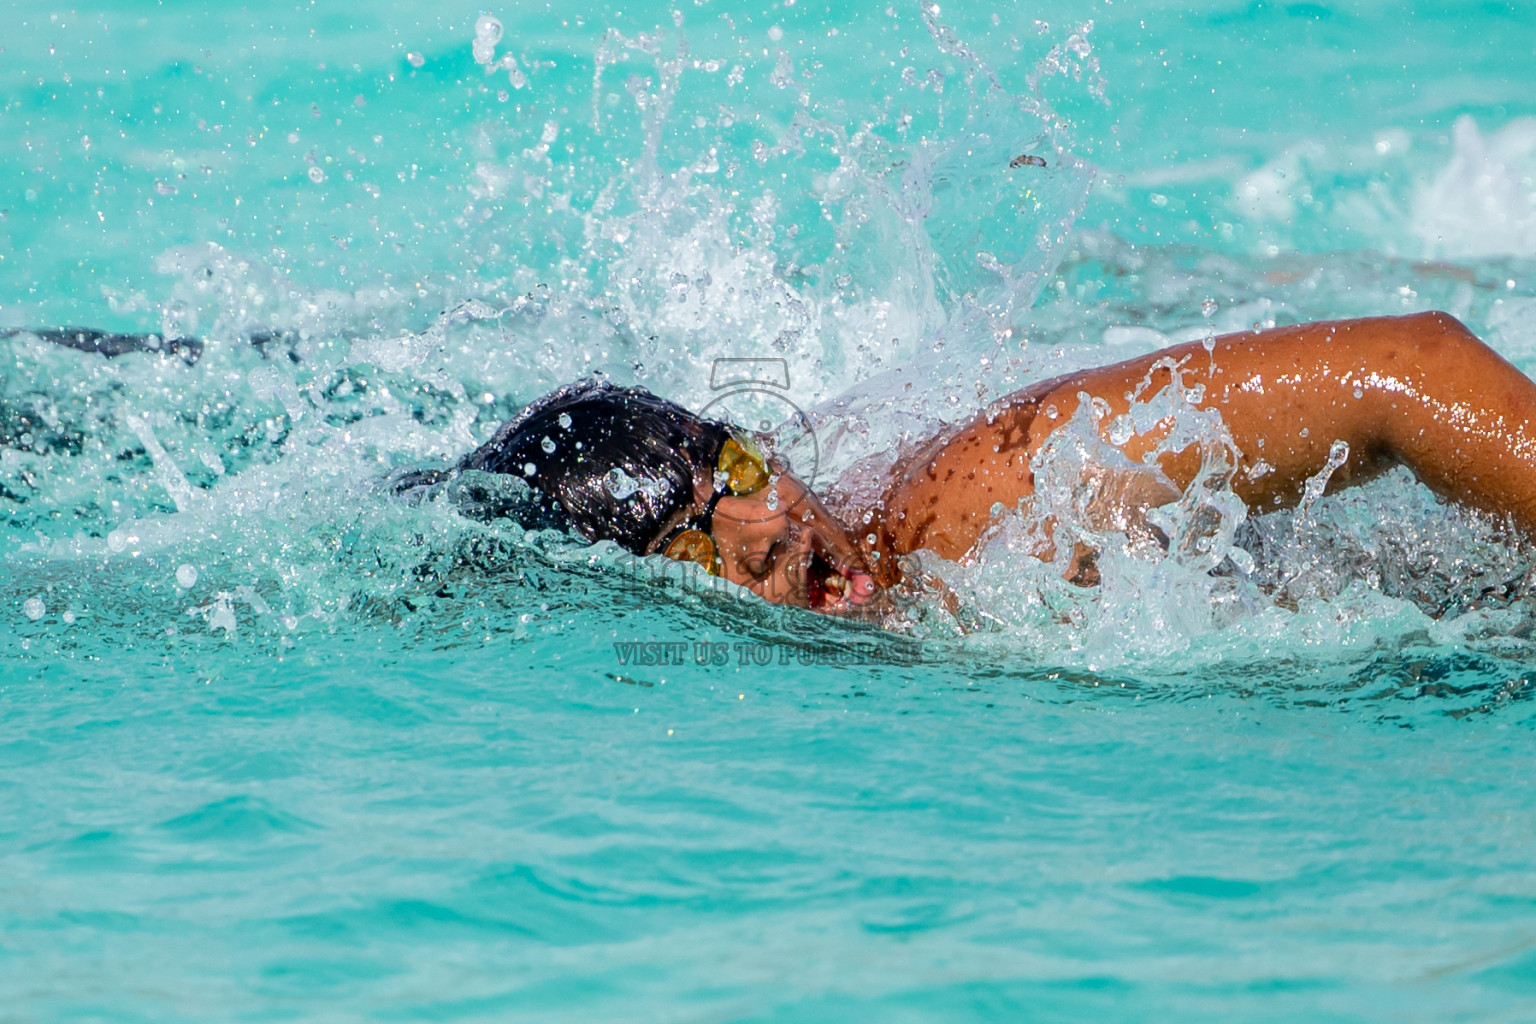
point(610, 463)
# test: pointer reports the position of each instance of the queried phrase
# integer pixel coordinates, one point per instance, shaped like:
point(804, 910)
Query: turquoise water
point(275, 747)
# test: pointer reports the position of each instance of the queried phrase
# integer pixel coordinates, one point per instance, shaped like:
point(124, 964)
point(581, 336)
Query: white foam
point(1483, 203)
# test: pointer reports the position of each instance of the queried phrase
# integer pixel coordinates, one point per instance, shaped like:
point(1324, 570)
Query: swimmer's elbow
point(1428, 338)
point(1440, 325)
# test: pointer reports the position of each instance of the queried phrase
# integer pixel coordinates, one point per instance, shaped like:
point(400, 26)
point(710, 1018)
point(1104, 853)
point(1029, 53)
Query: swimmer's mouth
point(836, 588)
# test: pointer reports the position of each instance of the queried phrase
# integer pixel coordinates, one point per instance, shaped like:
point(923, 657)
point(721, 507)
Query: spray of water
point(910, 260)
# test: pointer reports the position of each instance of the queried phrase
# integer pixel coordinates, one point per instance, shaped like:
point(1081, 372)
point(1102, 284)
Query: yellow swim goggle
point(741, 470)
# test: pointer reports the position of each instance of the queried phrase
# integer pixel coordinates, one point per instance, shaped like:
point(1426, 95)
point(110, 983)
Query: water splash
point(1483, 203)
point(725, 203)
point(1191, 577)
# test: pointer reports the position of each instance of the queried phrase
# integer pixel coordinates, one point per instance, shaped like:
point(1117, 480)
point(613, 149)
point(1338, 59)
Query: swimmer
point(623, 465)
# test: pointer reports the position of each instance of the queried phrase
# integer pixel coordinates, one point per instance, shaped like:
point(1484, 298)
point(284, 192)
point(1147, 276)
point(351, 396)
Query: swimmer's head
point(610, 463)
point(623, 465)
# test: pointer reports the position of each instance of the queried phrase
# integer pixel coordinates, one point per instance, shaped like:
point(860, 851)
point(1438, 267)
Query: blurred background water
point(277, 747)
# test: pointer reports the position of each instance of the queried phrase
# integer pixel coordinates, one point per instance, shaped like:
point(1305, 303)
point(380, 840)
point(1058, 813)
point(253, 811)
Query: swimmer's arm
point(944, 493)
point(1421, 391)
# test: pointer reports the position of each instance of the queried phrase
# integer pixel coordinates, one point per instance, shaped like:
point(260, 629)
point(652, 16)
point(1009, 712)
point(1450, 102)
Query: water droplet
point(1208, 308)
point(1122, 430)
point(620, 484)
point(565, 421)
point(316, 175)
point(547, 445)
point(870, 538)
point(529, 469)
point(186, 576)
point(33, 608)
point(1305, 432)
point(1359, 393)
point(487, 29)
point(415, 60)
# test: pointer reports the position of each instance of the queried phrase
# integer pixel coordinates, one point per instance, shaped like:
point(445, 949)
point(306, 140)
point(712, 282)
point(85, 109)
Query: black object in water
point(112, 344)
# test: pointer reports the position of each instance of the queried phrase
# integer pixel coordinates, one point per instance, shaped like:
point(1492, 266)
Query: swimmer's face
point(783, 545)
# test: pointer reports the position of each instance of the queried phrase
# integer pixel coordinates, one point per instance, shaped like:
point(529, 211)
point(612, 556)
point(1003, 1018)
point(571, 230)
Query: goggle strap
point(706, 519)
